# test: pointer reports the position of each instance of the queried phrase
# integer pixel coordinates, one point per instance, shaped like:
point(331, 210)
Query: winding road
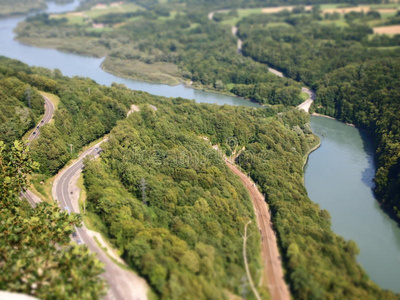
point(124, 285)
point(48, 115)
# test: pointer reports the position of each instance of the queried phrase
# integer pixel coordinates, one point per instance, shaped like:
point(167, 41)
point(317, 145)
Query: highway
point(124, 285)
point(48, 115)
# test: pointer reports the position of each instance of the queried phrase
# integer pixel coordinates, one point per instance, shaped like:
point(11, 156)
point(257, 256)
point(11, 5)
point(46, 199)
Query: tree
point(36, 254)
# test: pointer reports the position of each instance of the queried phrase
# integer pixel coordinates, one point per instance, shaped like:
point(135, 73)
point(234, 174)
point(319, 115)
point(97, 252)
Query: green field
point(85, 17)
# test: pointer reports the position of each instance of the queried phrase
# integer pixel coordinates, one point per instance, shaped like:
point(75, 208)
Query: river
point(338, 175)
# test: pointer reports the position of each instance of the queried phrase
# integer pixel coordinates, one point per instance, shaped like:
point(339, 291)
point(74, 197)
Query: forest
point(186, 192)
point(356, 79)
point(163, 44)
point(36, 254)
point(191, 199)
point(159, 191)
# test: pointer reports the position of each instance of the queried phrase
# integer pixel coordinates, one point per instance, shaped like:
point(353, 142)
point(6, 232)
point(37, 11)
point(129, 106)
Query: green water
point(339, 178)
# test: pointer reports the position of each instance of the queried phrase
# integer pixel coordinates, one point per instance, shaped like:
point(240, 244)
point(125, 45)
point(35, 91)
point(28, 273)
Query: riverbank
point(332, 118)
point(312, 149)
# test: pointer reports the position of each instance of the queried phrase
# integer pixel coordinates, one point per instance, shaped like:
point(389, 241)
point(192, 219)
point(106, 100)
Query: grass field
point(123, 8)
point(386, 11)
point(162, 72)
point(84, 17)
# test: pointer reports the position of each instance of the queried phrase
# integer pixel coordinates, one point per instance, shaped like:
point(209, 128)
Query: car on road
point(34, 132)
point(37, 127)
point(42, 121)
point(74, 234)
point(79, 242)
point(67, 209)
point(95, 149)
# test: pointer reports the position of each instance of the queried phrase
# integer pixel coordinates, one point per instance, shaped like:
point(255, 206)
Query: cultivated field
point(394, 29)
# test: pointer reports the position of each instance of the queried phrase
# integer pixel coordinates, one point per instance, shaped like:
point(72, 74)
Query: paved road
point(48, 115)
point(124, 285)
point(311, 97)
point(272, 271)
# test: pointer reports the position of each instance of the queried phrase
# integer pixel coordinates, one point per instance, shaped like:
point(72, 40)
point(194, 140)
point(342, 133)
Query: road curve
point(48, 115)
point(124, 285)
point(272, 271)
point(311, 97)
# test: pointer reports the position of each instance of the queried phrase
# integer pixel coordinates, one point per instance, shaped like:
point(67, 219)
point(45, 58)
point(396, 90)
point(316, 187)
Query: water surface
point(339, 177)
point(78, 65)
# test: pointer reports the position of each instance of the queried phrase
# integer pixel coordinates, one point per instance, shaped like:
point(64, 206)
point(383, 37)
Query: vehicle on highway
point(79, 242)
point(42, 121)
point(37, 127)
point(67, 209)
point(34, 132)
point(74, 234)
point(95, 149)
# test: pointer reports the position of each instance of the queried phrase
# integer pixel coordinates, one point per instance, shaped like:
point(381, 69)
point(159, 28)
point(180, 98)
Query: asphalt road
point(48, 115)
point(123, 284)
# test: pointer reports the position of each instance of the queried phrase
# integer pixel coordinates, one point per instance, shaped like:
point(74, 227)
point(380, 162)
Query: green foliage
point(205, 52)
point(20, 108)
point(35, 251)
point(354, 83)
point(319, 264)
point(86, 112)
point(349, 95)
point(184, 236)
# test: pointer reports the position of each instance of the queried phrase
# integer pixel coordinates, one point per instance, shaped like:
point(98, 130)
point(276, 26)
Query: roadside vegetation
point(36, 254)
point(183, 231)
point(165, 198)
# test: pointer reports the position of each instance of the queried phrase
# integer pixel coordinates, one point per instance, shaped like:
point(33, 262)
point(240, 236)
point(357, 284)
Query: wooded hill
point(184, 235)
point(356, 79)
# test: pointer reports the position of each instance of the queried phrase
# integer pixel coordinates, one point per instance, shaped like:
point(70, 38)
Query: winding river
point(338, 175)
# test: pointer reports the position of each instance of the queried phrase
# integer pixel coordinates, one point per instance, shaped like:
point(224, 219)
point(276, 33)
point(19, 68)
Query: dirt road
point(272, 271)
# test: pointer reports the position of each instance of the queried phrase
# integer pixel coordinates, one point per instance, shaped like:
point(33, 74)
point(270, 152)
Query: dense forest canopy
point(164, 197)
point(20, 108)
point(186, 189)
point(163, 44)
point(191, 200)
point(356, 79)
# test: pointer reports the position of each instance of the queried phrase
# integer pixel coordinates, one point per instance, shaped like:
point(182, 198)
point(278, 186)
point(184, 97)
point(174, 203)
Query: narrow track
point(311, 95)
point(272, 271)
